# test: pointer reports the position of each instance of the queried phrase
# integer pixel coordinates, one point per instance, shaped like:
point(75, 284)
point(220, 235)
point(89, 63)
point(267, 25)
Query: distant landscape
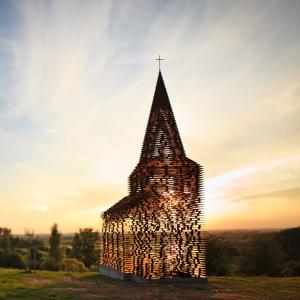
point(241, 264)
point(229, 253)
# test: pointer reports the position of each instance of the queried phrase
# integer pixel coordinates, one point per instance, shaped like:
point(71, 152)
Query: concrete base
point(110, 272)
point(115, 274)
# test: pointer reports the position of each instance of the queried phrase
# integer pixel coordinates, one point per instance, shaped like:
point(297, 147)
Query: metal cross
point(159, 59)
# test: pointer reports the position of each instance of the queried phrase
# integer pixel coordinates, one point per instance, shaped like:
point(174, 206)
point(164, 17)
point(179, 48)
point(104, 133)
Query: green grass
point(40, 285)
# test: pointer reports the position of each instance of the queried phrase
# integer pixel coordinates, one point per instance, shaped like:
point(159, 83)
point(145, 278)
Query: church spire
point(160, 99)
point(162, 135)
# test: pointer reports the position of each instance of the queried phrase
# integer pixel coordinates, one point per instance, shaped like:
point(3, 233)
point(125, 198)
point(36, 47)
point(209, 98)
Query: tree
point(289, 241)
point(263, 257)
point(85, 246)
point(5, 238)
point(55, 240)
point(30, 262)
point(219, 257)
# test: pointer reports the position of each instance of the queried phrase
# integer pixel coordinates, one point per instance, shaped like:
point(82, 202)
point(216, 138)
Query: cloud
point(290, 193)
point(76, 89)
point(254, 190)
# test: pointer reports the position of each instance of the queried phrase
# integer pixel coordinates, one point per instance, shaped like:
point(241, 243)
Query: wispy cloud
point(243, 191)
point(77, 81)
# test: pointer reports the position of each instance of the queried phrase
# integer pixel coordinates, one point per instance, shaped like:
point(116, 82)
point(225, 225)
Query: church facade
point(156, 231)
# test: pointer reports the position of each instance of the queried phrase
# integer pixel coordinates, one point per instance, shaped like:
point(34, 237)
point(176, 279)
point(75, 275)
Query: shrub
point(94, 268)
point(72, 265)
point(291, 268)
point(11, 259)
point(296, 268)
point(2, 255)
point(50, 264)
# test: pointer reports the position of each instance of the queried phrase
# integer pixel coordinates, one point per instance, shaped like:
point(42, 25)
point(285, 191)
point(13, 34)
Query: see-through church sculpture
point(156, 231)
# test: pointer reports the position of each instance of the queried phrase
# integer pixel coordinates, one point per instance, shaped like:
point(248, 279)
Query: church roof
point(161, 119)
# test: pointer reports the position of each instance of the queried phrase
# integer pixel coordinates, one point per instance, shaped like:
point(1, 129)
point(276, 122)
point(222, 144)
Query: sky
point(77, 80)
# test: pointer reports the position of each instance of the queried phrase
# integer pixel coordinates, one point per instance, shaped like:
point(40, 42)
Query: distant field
point(40, 285)
point(234, 237)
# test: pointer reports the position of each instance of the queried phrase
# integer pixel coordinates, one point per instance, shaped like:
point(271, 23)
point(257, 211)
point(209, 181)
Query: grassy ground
point(40, 285)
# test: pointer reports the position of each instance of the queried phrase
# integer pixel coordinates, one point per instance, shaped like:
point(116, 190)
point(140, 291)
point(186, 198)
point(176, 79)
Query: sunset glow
point(76, 85)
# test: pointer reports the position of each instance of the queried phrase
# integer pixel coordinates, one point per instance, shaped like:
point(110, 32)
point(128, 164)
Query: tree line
point(270, 254)
point(30, 252)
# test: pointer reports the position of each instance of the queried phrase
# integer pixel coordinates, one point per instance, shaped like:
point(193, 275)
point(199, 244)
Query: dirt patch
point(37, 281)
point(230, 296)
point(68, 278)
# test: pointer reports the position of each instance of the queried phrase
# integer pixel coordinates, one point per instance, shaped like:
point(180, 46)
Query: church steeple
point(162, 136)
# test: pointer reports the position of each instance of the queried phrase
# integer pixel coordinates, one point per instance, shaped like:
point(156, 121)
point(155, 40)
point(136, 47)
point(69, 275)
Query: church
point(155, 232)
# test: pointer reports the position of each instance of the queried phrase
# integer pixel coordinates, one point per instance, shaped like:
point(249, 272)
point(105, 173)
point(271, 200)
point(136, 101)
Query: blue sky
point(76, 85)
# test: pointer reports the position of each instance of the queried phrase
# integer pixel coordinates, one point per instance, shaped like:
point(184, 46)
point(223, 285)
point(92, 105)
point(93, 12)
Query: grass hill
point(42, 285)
